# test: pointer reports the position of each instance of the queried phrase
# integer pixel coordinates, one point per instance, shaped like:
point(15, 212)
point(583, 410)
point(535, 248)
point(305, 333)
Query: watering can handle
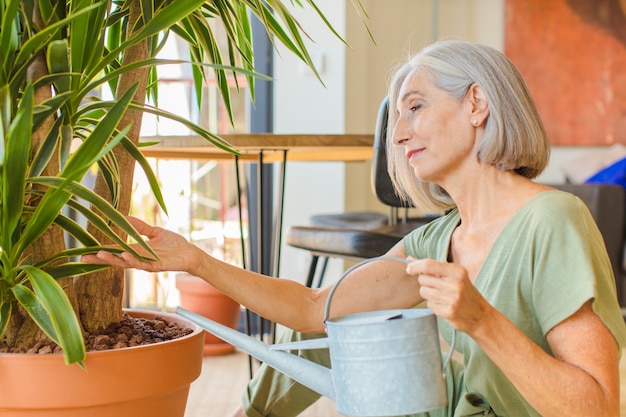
point(379, 258)
point(352, 268)
point(450, 351)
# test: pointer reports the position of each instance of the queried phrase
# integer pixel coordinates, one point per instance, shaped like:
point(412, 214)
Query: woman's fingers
point(448, 291)
point(174, 252)
point(142, 227)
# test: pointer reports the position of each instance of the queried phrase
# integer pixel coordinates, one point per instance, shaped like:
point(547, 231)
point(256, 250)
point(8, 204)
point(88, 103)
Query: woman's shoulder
point(551, 216)
point(556, 206)
point(553, 195)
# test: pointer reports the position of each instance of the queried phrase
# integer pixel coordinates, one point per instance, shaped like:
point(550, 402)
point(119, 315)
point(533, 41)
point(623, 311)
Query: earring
point(475, 122)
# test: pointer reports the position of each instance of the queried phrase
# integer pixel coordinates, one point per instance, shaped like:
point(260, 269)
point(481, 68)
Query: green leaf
point(15, 165)
point(101, 205)
point(73, 269)
point(207, 41)
point(210, 137)
point(163, 20)
point(205, 134)
point(58, 60)
point(244, 37)
point(109, 170)
point(46, 10)
point(9, 35)
point(29, 301)
point(46, 150)
point(50, 308)
point(39, 41)
point(68, 225)
point(5, 111)
point(5, 315)
point(151, 62)
point(77, 231)
point(86, 34)
point(168, 16)
point(86, 155)
point(147, 10)
point(77, 252)
point(48, 108)
point(67, 134)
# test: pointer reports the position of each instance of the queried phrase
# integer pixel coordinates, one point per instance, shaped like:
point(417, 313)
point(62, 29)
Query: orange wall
point(572, 54)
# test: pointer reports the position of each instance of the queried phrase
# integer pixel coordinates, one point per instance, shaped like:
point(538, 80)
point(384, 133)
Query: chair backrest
point(381, 182)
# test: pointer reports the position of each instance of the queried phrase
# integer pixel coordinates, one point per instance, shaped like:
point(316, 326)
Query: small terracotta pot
point(142, 381)
point(201, 297)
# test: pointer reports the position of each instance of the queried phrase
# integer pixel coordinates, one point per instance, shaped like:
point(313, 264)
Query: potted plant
point(53, 55)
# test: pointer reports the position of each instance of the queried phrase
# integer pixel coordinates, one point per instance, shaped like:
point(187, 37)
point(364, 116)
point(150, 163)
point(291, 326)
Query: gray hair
point(514, 137)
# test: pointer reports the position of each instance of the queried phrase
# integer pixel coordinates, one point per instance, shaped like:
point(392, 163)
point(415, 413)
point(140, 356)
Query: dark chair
point(353, 237)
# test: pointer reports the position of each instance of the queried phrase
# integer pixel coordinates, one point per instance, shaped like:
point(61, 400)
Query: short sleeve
point(571, 266)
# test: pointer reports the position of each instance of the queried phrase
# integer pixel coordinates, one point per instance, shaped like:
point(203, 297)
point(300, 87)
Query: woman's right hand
point(174, 251)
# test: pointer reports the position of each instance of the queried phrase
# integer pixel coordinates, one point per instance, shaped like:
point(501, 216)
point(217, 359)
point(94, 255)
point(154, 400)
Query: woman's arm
point(582, 379)
point(374, 286)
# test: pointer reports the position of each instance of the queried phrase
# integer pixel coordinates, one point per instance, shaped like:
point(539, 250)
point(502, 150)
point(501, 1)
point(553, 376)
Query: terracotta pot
point(143, 381)
point(201, 297)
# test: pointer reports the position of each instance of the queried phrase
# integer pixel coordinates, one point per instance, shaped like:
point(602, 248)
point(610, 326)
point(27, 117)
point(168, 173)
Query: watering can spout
point(314, 376)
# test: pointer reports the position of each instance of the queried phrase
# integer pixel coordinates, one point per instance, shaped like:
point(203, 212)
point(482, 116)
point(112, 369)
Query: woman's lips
point(414, 152)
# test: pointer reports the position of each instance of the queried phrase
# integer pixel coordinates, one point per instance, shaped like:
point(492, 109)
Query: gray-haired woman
point(517, 268)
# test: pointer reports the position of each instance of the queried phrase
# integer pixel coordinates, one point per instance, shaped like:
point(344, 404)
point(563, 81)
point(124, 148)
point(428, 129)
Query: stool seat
point(359, 220)
point(351, 243)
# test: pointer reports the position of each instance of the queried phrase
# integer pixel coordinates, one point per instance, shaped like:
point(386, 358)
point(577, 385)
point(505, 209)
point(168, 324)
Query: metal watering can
point(384, 363)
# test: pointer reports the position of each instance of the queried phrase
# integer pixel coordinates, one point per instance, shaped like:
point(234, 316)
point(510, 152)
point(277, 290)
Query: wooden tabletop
point(298, 147)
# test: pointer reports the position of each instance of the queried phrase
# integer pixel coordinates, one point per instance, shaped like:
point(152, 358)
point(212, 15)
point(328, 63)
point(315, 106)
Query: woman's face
point(434, 128)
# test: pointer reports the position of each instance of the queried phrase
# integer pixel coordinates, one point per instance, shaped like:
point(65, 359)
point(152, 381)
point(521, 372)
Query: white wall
point(304, 105)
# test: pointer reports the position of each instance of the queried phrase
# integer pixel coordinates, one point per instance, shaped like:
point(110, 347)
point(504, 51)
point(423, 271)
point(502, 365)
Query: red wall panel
point(572, 54)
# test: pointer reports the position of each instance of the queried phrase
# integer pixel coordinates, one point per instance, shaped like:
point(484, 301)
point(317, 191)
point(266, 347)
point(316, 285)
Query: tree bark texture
point(101, 295)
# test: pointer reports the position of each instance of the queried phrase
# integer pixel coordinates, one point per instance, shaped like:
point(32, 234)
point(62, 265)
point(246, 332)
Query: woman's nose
point(399, 133)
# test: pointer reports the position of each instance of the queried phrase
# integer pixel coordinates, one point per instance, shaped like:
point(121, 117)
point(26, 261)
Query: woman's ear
point(479, 108)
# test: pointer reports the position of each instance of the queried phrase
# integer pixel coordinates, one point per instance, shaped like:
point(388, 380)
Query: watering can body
point(384, 363)
point(386, 368)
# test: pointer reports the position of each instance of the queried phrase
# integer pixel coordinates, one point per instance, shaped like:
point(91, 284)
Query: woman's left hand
point(449, 293)
point(174, 251)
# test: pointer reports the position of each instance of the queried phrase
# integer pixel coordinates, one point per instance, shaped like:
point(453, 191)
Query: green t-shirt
point(545, 264)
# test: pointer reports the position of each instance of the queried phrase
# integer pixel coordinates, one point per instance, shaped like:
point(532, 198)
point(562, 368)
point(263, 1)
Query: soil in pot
point(130, 331)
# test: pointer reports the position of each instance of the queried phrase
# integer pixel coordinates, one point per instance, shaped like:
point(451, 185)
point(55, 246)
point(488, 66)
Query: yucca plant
point(53, 56)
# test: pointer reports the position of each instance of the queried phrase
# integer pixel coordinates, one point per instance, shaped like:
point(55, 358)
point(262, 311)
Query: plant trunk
point(101, 295)
point(22, 330)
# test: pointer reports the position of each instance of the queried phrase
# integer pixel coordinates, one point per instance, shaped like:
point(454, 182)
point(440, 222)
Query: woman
point(517, 268)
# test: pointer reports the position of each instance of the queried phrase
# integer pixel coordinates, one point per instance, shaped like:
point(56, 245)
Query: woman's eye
point(415, 107)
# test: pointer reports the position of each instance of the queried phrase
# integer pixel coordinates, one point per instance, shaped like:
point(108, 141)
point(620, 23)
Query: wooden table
point(272, 146)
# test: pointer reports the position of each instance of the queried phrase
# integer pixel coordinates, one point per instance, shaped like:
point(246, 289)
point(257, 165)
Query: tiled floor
point(218, 390)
